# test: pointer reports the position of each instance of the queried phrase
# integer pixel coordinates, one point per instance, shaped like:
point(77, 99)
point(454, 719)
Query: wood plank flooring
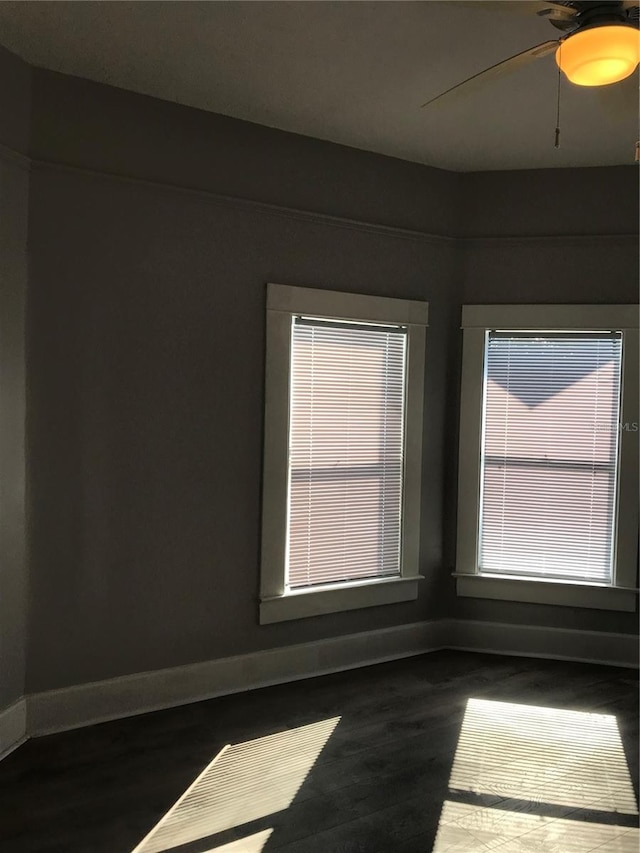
point(450, 752)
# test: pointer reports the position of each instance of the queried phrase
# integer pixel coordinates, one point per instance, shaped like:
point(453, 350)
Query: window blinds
point(549, 456)
point(346, 452)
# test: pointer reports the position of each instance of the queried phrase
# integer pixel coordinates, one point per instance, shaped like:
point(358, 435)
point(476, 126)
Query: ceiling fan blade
point(507, 65)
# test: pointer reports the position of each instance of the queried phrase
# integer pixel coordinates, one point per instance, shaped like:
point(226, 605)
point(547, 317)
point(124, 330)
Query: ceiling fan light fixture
point(600, 55)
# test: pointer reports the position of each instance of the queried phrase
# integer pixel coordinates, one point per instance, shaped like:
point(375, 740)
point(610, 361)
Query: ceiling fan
point(600, 42)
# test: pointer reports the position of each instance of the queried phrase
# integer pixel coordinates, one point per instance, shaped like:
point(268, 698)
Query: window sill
point(534, 591)
point(334, 599)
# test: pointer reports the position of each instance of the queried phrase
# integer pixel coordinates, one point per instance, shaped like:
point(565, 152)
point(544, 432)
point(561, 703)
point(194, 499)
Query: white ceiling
point(350, 72)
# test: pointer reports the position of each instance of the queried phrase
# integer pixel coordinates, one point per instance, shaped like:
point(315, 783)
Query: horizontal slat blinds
point(549, 460)
point(346, 452)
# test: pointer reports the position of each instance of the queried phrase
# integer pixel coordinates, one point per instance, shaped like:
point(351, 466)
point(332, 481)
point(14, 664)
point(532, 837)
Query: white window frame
point(477, 320)
point(277, 604)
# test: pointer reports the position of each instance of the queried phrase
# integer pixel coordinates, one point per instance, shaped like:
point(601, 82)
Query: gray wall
point(146, 406)
point(548, 202)
point(15, 102)
point(547, 270)
point(555, 236)
point(14, 186)
point(146, 355)
point(100, 127)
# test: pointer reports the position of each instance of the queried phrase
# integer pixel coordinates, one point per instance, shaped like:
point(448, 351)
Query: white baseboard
point(86, 704)
point(13, 727)
point(540, 642)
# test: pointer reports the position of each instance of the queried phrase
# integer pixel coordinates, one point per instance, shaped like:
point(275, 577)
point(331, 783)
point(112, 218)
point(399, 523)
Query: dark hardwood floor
point(444, 752)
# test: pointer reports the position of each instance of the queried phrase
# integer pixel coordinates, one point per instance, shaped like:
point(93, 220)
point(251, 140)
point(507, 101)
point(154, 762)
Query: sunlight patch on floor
point(467, 828)
point(567, 758)
point(251, 844)
point(243, 783)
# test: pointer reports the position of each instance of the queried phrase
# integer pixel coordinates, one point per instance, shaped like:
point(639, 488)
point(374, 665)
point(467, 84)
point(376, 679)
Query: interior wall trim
point(538, 641)
point(86, 704)
point(10, 155)
point(551, 240)
point(13, 727)
point(252, 205)
point(333, 221)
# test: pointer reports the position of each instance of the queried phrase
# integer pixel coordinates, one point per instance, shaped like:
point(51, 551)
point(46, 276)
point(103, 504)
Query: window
point(343, 440)
point(346, 451)
point(548, 473)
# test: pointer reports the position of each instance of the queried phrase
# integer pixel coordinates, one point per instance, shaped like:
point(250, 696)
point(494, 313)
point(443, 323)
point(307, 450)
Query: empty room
point(319, 427)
